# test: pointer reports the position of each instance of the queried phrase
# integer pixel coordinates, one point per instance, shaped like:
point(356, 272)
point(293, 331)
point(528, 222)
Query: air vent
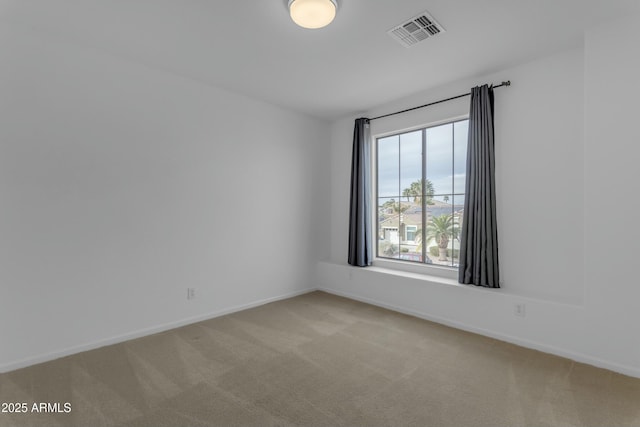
point(416, 29)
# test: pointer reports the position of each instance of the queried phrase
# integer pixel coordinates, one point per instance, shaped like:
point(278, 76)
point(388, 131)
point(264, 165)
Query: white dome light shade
point(312, 13)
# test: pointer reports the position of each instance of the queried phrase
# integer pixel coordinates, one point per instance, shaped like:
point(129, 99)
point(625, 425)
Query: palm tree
point(415, 190)
point(441, 229)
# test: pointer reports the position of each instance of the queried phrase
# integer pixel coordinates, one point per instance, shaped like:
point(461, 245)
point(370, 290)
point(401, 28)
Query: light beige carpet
point(320, 360)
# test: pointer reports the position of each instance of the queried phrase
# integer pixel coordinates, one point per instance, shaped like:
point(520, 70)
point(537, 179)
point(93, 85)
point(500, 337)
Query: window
point(420, 194)
point(410, 232)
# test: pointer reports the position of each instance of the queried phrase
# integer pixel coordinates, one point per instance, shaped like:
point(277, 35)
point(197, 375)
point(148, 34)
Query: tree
point(441, 229)
point(415, 190)
point(389, 249)
point(397, 207)
point(446, 199)
point(389, 203)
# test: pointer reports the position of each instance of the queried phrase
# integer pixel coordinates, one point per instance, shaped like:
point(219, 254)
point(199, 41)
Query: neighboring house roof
point(413, 214)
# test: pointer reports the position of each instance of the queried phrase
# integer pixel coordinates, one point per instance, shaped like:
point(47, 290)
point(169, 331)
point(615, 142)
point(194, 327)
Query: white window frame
point(413, 228)
point(392, 264)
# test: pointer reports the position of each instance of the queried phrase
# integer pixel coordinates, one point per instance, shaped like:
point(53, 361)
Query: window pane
point(461, 134)
point(386, 247)
point(440, 205)
point(439, 234)
point(411, 166)
point(440, 158)
point(388, 171)
point(387, 210)
point(389, 227)
point(410, 222)
point(458, 208)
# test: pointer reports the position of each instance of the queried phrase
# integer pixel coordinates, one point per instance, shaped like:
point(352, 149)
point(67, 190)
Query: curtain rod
point(507, 83)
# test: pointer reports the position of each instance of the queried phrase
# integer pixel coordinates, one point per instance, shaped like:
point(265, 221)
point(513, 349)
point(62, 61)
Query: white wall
point(611, 179)
point(121, 186)
point(565, 207)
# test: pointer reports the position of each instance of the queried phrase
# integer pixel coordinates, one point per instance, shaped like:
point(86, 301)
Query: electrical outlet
point(519, 310)
point(191, 293)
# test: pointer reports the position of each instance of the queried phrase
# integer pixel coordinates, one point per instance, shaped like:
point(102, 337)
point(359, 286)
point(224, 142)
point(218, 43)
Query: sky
point(400, 161)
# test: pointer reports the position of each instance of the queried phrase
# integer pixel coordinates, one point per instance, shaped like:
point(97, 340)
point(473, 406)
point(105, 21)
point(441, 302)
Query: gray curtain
point(360, 210)
point(479, 238)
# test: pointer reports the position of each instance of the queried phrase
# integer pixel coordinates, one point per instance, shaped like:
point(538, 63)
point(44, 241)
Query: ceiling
point(252, 47)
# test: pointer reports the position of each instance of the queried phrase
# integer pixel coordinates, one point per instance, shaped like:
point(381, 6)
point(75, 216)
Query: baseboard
point(582, 358)
point(23, 363)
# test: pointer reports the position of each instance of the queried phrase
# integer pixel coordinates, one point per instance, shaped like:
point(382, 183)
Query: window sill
point(434, 276)
point(411, 275)
point(418, 270)
point(426, 273)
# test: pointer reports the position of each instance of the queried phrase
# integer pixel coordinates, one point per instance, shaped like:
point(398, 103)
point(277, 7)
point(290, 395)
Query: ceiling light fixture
point(312, 13)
